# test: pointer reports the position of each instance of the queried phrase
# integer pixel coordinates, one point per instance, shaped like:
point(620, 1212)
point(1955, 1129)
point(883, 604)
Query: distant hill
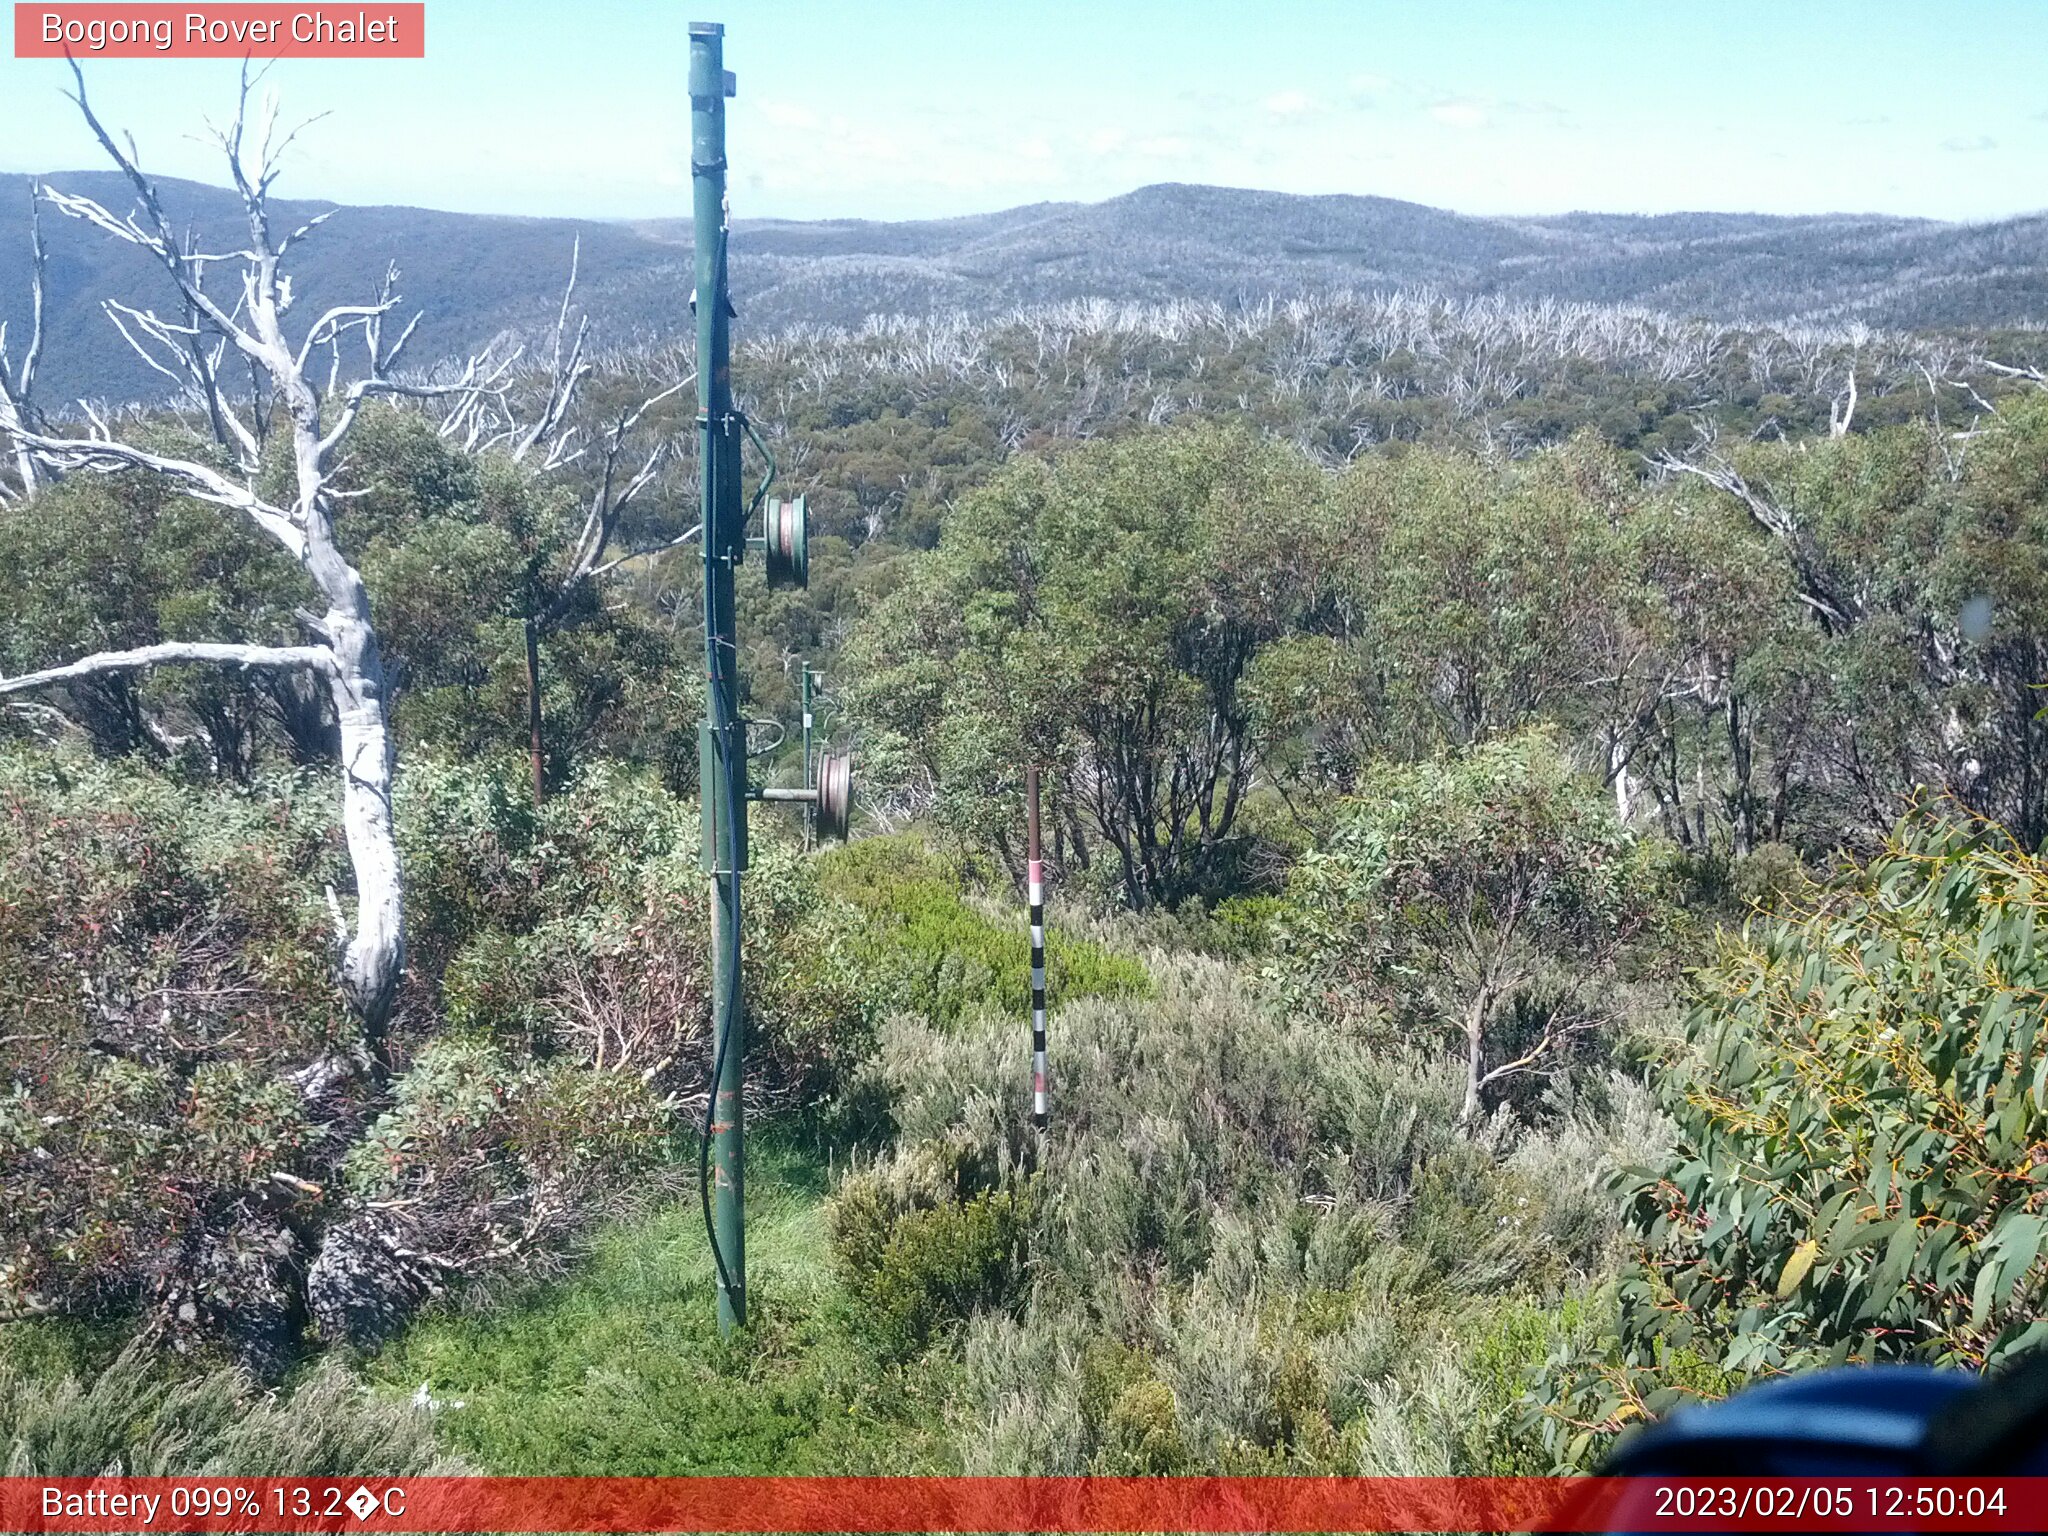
point(476, 276)
point(473, 276)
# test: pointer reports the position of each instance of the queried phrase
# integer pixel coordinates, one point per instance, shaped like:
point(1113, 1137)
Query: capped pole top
point(708, 79)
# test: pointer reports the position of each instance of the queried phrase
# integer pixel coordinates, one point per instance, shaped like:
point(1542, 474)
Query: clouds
point(789, 114)
point(1487, 108)
point(1460, 113)
point(1290, 103)
point(1331, 130)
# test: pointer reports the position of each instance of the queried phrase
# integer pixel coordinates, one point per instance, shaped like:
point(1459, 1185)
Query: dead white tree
point(1842, 409)
point(617, 487)
point(1837, 608)
point(343, 650)
point(2031, 374)
point(18, 412)
point(552, 442)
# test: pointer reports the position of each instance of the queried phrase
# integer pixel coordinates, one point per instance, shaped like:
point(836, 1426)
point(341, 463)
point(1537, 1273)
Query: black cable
point(761, 490)
point(735, 808)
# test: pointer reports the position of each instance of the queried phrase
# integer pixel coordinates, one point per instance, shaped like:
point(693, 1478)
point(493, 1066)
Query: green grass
point(620, 1370)
point(47, 1349)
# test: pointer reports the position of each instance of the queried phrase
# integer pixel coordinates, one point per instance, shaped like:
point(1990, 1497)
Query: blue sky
point(915, 108)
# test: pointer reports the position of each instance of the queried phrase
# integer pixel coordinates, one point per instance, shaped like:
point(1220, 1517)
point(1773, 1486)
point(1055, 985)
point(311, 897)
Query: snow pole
point(1035, 879)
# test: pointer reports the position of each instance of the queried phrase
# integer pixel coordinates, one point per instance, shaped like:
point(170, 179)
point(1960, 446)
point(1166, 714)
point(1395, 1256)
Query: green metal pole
point(722, 751)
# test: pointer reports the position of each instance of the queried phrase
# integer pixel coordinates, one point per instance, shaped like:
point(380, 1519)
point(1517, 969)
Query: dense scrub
point(131, 1417)
point(182, 1133)
point(1251, 1241)
point(1856, 1175)
point(1486, 900)
point(1395, 772)
point(925, 946)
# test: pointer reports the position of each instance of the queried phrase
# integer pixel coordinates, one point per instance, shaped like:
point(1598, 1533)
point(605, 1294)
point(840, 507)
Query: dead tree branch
point(1836, 611)
point(266, 658)
point(1842, 409)
point(192, 347)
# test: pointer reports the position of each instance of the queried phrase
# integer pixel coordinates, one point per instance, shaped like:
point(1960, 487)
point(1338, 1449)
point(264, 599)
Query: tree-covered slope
point(475, 276)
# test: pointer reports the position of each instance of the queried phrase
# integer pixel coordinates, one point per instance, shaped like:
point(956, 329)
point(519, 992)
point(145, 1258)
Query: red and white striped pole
point(1035, 878)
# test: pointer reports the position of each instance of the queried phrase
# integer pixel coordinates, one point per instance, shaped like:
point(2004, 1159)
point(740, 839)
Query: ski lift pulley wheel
point(787, 544)
point(835, 795)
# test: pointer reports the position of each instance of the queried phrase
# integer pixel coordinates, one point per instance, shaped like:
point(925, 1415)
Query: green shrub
point(1141, 1433)
point(1477, 1222)
point(507, 1131)
point(180, 1094)
point(583, 929)
point(928, 950)
point(1484, 897)
point(1243, 925)
point(1765, 878)
point(1856, 1174)
point(917, 1256)
point(1507, 1356)
point(1257, 1241)
point(132, 1417)
point(482, 1167)
point(465, 838)
point(1301, 1404)
point(163, 965)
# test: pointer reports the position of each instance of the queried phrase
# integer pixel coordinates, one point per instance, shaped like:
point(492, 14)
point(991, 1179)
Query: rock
point(359, 1289)
point(238, 1284)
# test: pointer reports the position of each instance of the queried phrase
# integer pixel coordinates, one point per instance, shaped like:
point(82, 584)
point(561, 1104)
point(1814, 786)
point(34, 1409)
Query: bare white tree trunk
point(346, 651)
point(1617, 766)
point(376, 948)
point(17, 383)
point(1842, 409)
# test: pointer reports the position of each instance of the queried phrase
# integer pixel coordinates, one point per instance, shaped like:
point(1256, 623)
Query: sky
point(895, 109)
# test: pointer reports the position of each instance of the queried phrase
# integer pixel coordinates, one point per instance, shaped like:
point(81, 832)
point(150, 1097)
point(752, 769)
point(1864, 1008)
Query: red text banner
point(989, 1504)
point(264, 31)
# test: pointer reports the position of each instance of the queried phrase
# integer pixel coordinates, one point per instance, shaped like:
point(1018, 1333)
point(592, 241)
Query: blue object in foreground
point(1856, 1420)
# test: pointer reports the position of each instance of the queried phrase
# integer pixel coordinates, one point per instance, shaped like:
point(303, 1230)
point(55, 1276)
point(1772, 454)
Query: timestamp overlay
point(874, 1504)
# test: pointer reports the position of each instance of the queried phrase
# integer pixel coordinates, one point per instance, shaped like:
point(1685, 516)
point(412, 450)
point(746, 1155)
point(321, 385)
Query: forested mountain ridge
point(475, 276)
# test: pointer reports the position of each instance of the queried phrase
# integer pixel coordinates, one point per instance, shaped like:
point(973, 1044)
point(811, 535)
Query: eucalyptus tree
point(1914, 554)
point(1484, 896)
point(1098, 613)
point(1865, 1060)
